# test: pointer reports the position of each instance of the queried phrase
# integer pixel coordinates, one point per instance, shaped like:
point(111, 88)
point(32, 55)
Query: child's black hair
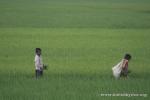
point(127, 56)
point(37, 49)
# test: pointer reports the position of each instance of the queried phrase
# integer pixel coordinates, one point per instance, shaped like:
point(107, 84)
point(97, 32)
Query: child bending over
point(121, 69)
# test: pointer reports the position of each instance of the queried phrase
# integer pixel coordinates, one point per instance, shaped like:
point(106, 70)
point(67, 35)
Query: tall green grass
point(80, 62)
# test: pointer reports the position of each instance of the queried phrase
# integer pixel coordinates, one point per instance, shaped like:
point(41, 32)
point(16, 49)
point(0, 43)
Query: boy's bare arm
point(124, 63)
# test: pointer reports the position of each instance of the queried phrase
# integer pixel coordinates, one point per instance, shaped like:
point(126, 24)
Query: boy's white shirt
point(117, 69)
point(38, 62)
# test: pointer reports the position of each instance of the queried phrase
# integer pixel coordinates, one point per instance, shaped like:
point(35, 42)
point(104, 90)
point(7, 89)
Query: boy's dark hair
point(127, 56)
point(37, 49)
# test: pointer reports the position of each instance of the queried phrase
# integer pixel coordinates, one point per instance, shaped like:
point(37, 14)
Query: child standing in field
point(121, 69)
point(38, 63)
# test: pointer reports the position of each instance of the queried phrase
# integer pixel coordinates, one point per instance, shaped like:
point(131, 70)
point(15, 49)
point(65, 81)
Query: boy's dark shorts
point(38, 73)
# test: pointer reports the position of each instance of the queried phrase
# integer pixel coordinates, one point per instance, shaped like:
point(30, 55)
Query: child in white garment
point(38, 63)
point(121, 69)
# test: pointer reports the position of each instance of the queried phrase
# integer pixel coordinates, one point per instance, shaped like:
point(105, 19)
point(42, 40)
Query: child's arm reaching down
point(124, 65)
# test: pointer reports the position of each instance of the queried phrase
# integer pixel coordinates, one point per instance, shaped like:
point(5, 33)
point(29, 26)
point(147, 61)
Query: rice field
point(81, 41)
